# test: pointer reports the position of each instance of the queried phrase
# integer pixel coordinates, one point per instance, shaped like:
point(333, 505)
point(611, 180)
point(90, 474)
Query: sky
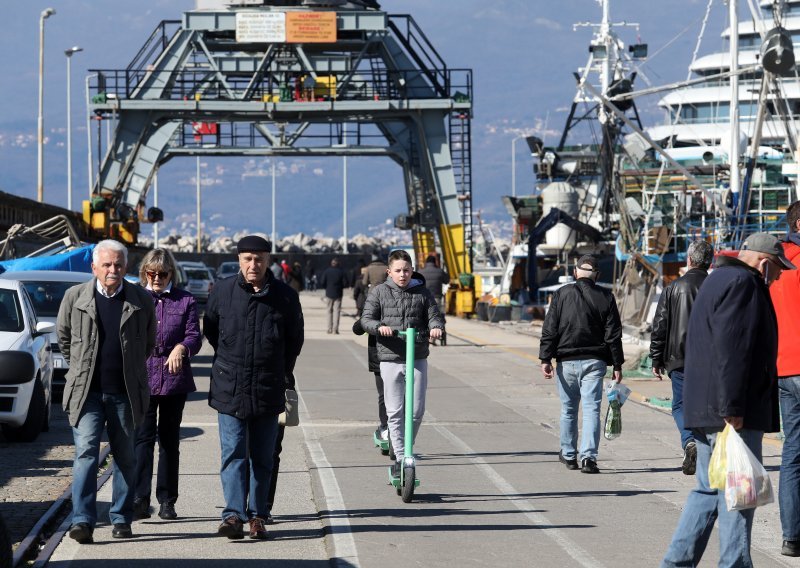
point(522, 52)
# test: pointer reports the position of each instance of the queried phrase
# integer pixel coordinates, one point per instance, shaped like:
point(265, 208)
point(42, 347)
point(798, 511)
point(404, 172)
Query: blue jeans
point(789, 486)
point(705, 505)
point(676, 376)
point(580, 382)
point(112, 411)
point(247, 447)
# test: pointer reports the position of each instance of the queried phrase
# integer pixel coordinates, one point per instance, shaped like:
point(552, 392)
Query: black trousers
point(381, 405)
point(276, 466)
point(162, 422)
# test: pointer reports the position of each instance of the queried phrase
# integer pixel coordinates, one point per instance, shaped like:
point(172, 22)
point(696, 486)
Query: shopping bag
point(747, 484)
point(291, 416)
point(617, 395)
point(718, 465)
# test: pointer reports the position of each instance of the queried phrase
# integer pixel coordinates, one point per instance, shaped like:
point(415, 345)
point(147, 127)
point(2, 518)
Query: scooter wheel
point(384, 452)
point(409, 478)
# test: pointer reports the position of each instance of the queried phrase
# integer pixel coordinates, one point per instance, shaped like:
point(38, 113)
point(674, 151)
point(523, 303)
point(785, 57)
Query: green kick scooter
point(407, 481)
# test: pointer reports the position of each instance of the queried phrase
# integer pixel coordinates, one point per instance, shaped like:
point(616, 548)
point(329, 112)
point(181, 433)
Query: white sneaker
point(385, 434)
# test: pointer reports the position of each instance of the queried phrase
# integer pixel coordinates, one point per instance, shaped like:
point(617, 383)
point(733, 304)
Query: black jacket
point(435, 278)
point(256, 339)
point(582, 323)
point(731, 349)
point(671, 321)
point(334, 280)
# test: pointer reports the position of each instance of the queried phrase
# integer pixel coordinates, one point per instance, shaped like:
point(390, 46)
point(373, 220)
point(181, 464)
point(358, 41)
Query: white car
point(199, 279)
point(26, 369)
point(46, 289)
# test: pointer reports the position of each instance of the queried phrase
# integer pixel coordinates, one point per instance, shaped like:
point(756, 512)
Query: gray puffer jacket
point(388, 304)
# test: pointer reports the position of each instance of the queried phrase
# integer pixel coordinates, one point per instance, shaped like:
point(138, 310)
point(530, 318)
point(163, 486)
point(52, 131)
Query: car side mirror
point(43, 327)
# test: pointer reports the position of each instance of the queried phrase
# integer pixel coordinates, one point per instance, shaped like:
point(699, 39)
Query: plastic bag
point(617, 395)
point(746, 483)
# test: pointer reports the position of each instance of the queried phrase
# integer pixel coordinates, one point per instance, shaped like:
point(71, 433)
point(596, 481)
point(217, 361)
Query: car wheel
point(6, 555)
point(34, 422)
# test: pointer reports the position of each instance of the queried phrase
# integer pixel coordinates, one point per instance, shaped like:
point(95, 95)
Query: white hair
point(111, 245)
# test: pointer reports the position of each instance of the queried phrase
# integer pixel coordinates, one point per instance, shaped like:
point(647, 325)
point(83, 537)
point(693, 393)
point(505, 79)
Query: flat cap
point(768, 244)
point(587, 262)
point(253, 243)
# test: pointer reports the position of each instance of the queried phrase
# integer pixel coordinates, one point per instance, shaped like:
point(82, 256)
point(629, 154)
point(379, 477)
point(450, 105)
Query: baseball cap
point(768, 244)
point(587, 262)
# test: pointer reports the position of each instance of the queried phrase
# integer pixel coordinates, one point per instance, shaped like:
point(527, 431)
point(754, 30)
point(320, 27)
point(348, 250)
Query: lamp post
point(514, 164)
point(69, 52)
point(40, 125)
point(89, 135)
point(344, 198)
point(274, 232)
point(199, 233)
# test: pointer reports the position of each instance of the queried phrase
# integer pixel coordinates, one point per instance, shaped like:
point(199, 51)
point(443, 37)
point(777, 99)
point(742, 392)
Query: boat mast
point(733, 156)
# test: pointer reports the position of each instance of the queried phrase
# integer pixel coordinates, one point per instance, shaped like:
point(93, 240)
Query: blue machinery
point(284, 79)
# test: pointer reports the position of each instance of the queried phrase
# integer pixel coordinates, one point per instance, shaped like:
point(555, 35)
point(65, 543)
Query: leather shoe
point(571, 464)
point(232, 527)
point(81, 533)
point(141, 509)
point(167, 512)
point(122, 530)
point(257, 530)
point(791, 548)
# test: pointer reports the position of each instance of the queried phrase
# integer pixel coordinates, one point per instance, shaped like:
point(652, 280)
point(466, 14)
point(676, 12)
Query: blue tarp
point(78, 260)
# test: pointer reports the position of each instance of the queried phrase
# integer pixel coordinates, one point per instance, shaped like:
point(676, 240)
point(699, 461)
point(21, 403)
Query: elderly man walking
point(668, 338)
point(106, 330)
point(583, 332)
point(731, 347)
point(255, 325)
point(786, 299)
point(334, 281)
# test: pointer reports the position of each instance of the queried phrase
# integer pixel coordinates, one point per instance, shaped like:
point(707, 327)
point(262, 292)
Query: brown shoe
point(257, 529)
point(231, 527)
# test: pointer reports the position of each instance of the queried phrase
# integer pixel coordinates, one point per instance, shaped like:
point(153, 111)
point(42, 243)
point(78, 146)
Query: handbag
point(290, 416)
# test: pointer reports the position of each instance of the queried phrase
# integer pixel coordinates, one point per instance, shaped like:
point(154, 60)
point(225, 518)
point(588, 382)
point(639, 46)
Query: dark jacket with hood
point(671, 321)
point(435, 278)
point(257, 337)
point(582, 323)
point(401, 308)
point(731, 347)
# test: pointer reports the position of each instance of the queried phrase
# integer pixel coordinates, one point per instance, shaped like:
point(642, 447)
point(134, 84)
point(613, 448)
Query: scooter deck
point(395, 481)
point(380, 443)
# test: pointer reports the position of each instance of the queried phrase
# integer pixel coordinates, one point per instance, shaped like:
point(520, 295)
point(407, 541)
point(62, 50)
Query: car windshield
point(197, 274)
point(10, 314)
point(47, 296)
point(228, 268)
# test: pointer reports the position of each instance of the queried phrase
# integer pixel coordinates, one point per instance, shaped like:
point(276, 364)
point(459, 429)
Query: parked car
point(46, 289)
point(200, 282)
point(26, 368)
point(227, 269)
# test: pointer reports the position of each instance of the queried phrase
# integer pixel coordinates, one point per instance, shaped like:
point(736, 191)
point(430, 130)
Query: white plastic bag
point(747, 484)
point(617, 395)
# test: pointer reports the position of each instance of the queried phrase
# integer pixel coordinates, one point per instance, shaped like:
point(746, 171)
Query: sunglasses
point(152, 274)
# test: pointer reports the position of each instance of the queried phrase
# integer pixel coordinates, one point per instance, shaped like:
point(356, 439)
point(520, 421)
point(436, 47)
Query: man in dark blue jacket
point(668, 338)
point(731, 378)
point(334, 280)
point(255, 325)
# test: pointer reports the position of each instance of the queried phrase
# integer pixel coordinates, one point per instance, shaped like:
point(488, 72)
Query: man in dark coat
point(668, 339)
point(334, 280)
point(731, 349)
point(583, 332)
point(255, 325)
point(435, 279)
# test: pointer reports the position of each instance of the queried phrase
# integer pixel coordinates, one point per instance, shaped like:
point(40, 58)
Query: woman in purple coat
point(170, 376)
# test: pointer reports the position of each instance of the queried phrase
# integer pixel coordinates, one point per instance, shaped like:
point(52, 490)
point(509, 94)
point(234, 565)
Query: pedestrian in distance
point(668, 337)
point(169, 372)
point(583, 333)
point(400, 303)
point(785, 295)
point(106, 330)
point(334, 281)
point(277, 271)
point(376, 272)
point(359, 289)
point(731, 349)
point(374, 365)
point(436, 279)
point(255, 325)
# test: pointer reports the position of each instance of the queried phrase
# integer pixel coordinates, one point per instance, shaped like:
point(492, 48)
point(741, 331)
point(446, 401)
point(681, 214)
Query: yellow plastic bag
point(718, 466)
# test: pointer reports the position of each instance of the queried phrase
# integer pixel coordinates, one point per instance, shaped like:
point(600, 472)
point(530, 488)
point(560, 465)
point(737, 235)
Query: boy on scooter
point(401, 302)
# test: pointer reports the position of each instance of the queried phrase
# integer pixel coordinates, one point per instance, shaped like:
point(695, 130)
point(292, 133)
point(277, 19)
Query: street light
point(89, 135)
point(40, 130)
point(514, 164)
point(69, 52)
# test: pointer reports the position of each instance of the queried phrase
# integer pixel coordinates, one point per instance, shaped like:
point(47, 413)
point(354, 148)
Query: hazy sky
point(523, 53)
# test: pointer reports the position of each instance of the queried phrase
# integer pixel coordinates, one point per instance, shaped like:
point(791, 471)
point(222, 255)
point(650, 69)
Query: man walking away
point(583, 332)
point(435, 279)
point(106, 330)
point(786, 299)
point(377, 272)
point(668, 338)
point(334, 280)
point(255, 325)
point(731, 348)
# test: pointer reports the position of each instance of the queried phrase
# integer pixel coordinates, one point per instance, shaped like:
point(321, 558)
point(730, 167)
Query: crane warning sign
point(311, 27)
point(260, 27)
